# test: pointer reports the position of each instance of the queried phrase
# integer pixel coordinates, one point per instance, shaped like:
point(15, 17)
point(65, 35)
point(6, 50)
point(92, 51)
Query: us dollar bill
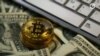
point(5, 37)
point(12, 13)
point(85, 46)
point(78, 46)
point(41, 52)
point(7, 7)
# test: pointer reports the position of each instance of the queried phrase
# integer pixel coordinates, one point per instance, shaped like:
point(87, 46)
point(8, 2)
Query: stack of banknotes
point(11, 19)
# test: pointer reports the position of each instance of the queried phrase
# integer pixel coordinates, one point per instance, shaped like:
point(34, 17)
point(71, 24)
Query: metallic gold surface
point(37, 33)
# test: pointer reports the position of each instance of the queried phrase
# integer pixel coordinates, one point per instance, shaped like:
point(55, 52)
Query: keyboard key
point(91, 27)
point(85, 10)
point(92, 5)
point(73, 4)
point(97, 4)
point(87, 1)
point(61, 1)
point(96, 16)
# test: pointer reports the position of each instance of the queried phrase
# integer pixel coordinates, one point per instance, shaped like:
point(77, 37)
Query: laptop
point(80, 16)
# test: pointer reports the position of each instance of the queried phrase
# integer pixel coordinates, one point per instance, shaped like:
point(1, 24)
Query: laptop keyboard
point(90, 9)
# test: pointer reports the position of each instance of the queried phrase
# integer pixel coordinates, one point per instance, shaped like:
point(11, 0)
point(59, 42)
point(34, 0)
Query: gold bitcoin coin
point(37, 33)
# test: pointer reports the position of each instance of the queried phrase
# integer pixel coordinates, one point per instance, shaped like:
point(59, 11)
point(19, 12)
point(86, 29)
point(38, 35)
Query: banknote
point(59, 32)
point(85, 46)
point(78, 46)
point(41, 52)
point(4, 38)
point(12, 13)
point(9, 7)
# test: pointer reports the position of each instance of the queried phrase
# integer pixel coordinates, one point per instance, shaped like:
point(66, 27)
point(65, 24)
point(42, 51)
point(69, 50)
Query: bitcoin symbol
point(38, 28)
point(37, 33)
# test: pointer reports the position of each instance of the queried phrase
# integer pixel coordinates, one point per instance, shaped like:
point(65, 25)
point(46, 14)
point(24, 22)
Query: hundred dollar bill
point(78, 46)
